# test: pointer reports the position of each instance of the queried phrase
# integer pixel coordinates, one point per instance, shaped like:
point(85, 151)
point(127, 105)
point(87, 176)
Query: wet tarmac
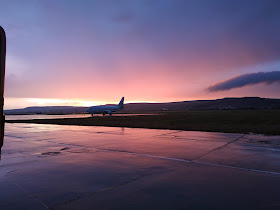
point(87, 167)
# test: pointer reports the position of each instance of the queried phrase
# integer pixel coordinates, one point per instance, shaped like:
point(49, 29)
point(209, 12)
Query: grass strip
point(227, 121)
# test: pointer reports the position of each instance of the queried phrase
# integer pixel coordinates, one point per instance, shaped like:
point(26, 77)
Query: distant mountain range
point(47, 110)
point(218, 104)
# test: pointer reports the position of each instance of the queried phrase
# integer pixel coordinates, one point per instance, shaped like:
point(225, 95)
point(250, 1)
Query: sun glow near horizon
point(19, 103)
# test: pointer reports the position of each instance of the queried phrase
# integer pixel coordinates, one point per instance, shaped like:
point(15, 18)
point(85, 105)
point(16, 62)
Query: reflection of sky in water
point(67, 140)
point(63, 164)
point(168, 143)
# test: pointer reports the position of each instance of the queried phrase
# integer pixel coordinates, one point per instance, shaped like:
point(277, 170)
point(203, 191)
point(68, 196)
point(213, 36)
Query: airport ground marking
point(28, 193)
point(235, 167)
point(193, 161)
point(103, 190)
point(219, 147)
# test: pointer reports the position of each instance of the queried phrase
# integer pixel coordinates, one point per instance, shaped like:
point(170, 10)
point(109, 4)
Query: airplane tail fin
point(121, 103)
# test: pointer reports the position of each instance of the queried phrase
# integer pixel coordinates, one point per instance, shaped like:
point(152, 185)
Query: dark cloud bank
point(247, 79)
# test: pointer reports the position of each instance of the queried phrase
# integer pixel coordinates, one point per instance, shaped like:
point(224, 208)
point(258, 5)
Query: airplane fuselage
point(105, 109)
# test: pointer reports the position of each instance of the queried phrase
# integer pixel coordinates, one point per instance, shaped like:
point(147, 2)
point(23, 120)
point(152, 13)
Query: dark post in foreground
point(2, 76)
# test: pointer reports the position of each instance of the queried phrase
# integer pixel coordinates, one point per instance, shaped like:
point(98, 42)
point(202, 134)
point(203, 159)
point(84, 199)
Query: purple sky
point(84, 52)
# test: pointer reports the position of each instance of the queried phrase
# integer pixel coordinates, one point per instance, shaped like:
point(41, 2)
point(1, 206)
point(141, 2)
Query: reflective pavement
point(87, 167)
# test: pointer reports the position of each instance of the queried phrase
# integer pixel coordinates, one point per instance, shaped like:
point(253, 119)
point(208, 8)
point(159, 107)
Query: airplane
point(105, 109)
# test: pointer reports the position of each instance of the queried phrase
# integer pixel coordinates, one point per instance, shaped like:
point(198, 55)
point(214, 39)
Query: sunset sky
point(83, 53)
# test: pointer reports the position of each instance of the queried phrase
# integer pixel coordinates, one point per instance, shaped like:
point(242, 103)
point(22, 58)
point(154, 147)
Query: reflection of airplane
point(105, 109)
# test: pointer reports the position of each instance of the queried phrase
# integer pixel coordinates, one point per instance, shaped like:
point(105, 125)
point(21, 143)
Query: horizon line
point(134, 102)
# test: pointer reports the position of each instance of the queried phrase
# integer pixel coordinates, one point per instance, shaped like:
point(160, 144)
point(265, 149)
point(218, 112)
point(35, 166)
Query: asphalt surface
point(80, 167)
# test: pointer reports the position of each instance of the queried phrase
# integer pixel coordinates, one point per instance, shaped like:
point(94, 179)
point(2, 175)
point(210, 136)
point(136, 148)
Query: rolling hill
point(218, 104)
